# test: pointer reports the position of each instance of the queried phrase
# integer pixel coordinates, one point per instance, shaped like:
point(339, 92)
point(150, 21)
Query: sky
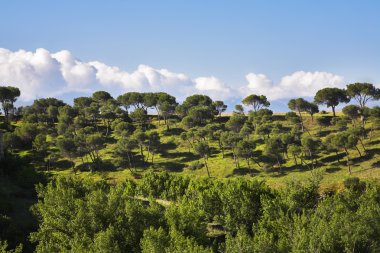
point(224, 49)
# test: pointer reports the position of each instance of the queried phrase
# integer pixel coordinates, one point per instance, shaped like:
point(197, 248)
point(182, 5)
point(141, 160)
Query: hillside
point(174, 155)
point(188, 177)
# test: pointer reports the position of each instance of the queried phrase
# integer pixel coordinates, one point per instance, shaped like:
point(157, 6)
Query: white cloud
point(213, 87)
point(43, 74)
point(298, 84)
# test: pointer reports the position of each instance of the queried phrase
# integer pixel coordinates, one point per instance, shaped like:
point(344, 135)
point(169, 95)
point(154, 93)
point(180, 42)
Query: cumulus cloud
point(298, 84)
point(43, 74)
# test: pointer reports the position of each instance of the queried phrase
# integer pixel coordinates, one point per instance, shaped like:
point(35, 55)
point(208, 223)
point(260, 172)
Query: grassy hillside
point(176, 156)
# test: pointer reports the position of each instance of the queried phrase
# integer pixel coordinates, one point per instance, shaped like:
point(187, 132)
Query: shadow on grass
point(165, 147)
point(373, 151)
point(173, 131)
point(214, 152)
point(323, 133)
point(188, 157)
point(376, 164)
point(63, 164)
point(374, 142)
point(333, 158)
point(172, 166)
point(370, 153)
point(332, 169)
point(245, 171)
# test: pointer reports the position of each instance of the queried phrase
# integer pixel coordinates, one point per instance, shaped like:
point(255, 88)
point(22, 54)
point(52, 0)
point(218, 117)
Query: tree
point(235, 123)
point(310, 145)
point(110, 111)
point(295, 150)
point(323, 122)
point(134, 99)
point(230, 140)
point(331, 97)
point(203, 150)
point(263, 130)
point(299, 105)
point(94, 143)
point(239, 110)
point(124, 149)
point(140, 137)
point(166, 106)
point(150, 100)
point(363, 93)
point(246, 130)
point(352, 112)
point(122, 128)
point(66, 115)
point(153, 144)
point(40, 144)
point(10, 140)
point(345, 141)
point(375, 118)
point(293, 118)
point(43, 110)
point(274, 148)
point(139, 116)
point(245, 149)
point(201, 114)
point(27, 132)
point(8, 95)
point(220, 107)
point(101, 96)
point(311, 109)
point(67, 147)
point(195, 101)
point(256, 101)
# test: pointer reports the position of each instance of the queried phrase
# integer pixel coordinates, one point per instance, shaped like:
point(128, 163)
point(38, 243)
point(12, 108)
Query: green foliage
point(242, 203)
point(4, 248)
point(100, 218)
point(163, 185)
point(331, 97)
point(8, 95)
point(256, 101)
point(363, 92)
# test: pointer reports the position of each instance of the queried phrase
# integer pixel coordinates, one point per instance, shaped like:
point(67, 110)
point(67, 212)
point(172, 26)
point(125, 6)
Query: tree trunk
point(337, 155)
point(208, 172)
point(302, 127)
point(333, 109)
point(361, 142)
point(360, 154)
point(348, 161)
point(256, 162)
point(363, 121)
point(279, 164)
point(221, 147)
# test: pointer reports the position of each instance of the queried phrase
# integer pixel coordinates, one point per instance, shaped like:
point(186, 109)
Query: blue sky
point(223, 39)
